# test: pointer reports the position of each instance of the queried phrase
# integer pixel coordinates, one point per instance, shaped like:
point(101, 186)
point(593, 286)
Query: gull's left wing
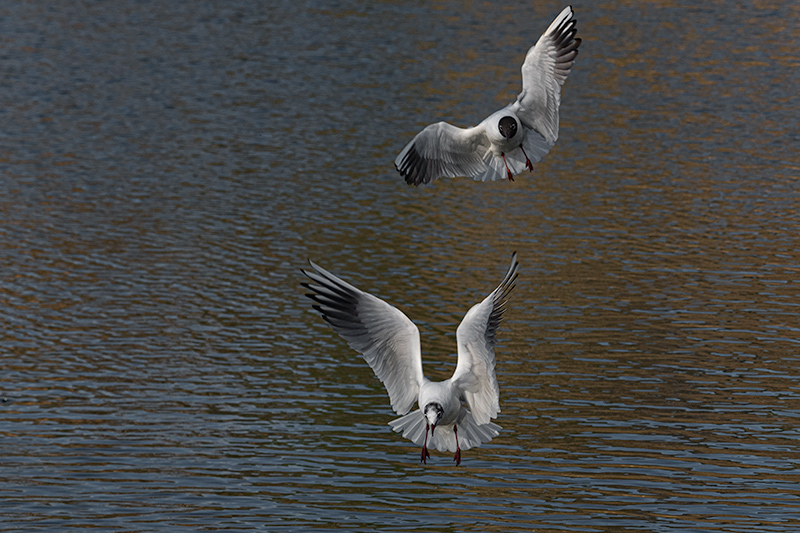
point(544, 71)
point(476, 337)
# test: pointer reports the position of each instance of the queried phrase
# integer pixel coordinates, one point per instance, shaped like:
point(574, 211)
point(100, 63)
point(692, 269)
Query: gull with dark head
point(507, 141)
point(454, 415)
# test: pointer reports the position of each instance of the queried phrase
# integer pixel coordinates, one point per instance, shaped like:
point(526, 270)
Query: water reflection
point(166, 171)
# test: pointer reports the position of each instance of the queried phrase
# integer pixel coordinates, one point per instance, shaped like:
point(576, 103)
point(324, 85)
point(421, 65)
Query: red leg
point(425, 453)
point(510, 176)
point(528, 164)
point(457, 456)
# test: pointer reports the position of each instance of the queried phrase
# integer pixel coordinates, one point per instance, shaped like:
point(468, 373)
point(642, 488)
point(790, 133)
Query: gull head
point(433, 413)
point(507, 127)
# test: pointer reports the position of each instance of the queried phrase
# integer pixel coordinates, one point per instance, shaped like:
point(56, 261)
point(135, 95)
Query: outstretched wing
point(476, 340)
point(442, 150)
point(544, 71)
point(387, 339)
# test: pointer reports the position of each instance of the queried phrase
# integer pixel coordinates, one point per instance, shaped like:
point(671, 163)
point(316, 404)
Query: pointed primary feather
point(387, 339)
point(544, 71)
point(476, 337)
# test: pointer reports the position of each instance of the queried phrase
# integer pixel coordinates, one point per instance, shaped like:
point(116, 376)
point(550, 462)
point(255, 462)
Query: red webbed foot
point(425, 455)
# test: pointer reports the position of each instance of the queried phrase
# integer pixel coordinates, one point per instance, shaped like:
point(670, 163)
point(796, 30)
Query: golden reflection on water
point(157, 340)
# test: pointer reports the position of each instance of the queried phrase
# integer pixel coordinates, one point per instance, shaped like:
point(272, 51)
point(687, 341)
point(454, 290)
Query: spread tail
point(470, 434)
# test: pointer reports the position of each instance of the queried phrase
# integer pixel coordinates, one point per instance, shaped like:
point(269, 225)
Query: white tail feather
point(470, 434)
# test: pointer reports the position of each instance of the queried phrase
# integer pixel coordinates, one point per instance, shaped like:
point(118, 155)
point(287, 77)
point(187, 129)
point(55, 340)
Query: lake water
point(166, 168)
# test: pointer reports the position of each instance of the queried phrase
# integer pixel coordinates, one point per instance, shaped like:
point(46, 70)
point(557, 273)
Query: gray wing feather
point(546, 67)
point(387, 339)
point(442, 150)
point(476, 337)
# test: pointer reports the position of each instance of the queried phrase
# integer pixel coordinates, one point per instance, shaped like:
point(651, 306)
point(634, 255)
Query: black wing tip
point(306, 285)
point(310, 274)
point(312, 264)
point(510, 278)
point(326, 281)
point(337, 304)
point(566, 29)
point(500, 298)
point(565, 33)
point(414, 168)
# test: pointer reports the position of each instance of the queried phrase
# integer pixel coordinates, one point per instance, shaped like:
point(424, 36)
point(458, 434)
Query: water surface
point(167, 169)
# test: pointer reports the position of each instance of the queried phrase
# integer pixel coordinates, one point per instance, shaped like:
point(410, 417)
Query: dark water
point(167, 167)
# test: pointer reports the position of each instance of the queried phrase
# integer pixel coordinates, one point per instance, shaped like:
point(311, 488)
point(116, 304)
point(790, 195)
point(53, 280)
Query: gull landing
point(453, 415)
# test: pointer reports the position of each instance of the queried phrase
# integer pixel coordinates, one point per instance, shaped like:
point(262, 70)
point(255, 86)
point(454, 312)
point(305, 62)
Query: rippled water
point(166, 169)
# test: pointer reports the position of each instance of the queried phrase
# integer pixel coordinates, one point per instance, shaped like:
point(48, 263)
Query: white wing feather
point(387, 339)
point(544, 71)
point(442, 150)
point(476, 337)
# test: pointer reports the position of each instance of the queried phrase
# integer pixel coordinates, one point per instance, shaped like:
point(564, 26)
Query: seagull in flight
point(507, 141)
point(454, 414)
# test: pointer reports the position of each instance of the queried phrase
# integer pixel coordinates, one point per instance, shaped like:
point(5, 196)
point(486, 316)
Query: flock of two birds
point(455, 414)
